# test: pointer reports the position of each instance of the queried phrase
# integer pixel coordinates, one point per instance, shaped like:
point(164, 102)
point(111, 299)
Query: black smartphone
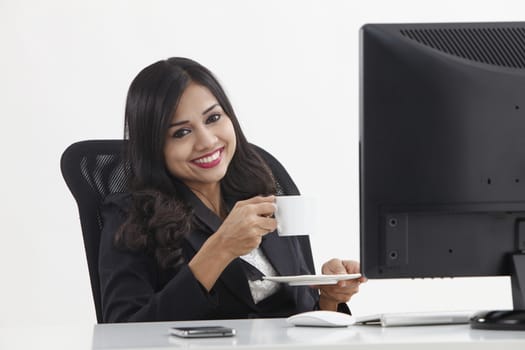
point(202, 332)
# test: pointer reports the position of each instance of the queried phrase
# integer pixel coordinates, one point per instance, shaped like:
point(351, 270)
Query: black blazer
point(134, 288)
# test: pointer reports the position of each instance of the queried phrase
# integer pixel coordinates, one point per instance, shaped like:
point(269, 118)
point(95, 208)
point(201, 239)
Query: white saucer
point(309, 280)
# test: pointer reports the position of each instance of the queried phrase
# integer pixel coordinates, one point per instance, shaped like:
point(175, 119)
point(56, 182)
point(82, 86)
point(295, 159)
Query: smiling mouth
point(210, 160)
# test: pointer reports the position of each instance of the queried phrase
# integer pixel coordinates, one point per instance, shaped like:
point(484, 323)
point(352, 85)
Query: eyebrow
point(186, 121)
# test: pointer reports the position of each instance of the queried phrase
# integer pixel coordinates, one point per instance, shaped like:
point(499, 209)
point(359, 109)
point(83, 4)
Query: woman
point(186, 242)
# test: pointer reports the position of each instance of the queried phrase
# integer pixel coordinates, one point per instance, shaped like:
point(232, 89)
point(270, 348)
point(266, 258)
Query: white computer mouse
point(321, 318)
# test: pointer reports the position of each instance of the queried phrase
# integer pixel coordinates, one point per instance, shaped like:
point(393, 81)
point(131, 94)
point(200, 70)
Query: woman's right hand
point(247, 222)
point(240, 233)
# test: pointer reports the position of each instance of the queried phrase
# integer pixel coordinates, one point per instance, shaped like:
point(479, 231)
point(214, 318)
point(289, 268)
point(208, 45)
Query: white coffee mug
point(295, 215)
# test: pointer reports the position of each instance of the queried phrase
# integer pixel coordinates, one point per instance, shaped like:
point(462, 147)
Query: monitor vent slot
point(497, 46)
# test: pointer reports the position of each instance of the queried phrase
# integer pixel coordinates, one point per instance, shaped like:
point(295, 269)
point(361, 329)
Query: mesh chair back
point(93, 169)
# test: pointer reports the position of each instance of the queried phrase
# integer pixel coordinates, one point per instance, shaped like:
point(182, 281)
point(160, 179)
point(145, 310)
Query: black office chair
point(94, 169)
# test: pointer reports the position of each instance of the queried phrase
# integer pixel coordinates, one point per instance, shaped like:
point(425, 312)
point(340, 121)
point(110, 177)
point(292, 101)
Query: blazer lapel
point(205, 215)
point(280, 254)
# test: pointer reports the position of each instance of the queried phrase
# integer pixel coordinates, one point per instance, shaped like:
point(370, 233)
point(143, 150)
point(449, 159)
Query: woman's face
point(200, 142)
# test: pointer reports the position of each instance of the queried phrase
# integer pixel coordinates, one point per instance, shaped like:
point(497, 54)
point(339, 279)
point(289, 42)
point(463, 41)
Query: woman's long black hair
point(158, 218)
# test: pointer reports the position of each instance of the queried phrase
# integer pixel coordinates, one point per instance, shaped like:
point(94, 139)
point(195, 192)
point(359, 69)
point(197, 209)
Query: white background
point(291, 71)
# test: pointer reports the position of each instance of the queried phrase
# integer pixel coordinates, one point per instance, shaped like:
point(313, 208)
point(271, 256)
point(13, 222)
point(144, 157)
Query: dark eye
point(213, 118)
point(180, 133)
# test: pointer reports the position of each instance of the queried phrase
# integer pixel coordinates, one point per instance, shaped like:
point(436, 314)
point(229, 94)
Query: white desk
point(258, 334)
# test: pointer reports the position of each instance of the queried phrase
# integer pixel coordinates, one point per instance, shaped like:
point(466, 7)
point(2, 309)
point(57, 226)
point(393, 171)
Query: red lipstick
point(209, 160)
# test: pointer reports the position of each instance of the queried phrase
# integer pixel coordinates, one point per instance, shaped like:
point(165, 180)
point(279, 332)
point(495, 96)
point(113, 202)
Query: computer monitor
point(442, 154)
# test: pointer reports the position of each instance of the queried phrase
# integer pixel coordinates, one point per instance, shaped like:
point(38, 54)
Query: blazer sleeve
point(130, 281)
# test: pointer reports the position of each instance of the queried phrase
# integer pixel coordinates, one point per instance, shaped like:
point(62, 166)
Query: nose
point(205, 139)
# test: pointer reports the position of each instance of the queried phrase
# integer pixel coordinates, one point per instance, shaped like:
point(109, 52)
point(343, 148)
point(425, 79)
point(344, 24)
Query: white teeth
point(209, 159)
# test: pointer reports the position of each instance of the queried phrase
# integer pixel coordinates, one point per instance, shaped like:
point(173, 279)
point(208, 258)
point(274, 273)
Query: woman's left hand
point(332, 295)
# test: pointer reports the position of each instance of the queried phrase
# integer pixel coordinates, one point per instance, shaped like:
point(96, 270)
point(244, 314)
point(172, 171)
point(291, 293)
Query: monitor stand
point(507, 319)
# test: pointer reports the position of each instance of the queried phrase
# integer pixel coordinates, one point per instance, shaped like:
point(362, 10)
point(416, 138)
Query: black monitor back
point(442, 148)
